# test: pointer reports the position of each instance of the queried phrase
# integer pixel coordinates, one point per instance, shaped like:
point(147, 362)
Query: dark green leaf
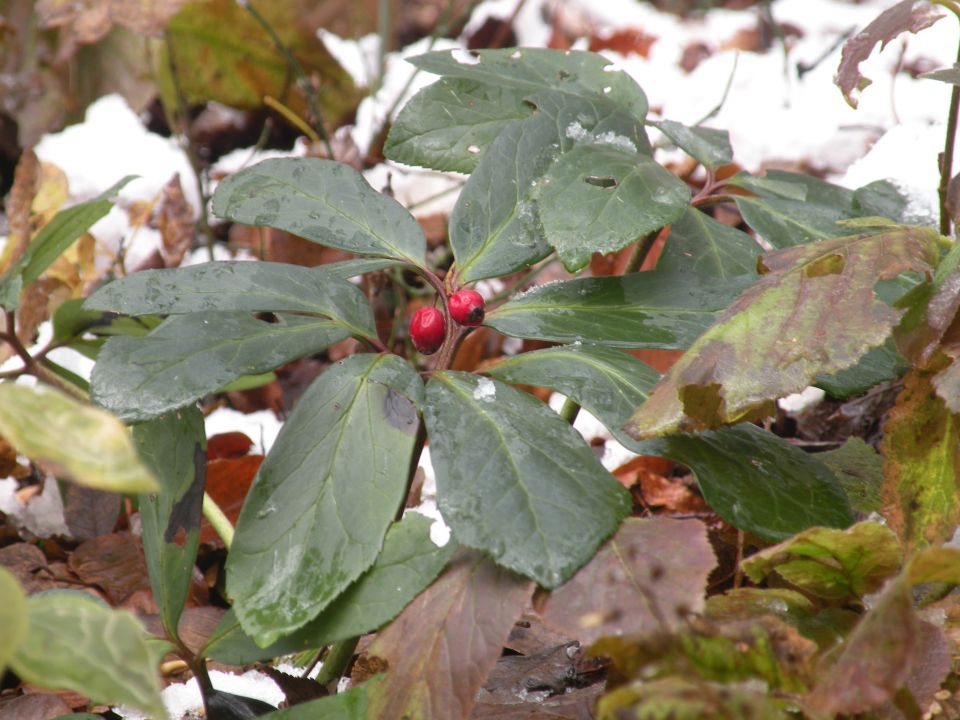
point(236, 285)
point(323, 201)
point(859, 470)
point(448, 125)
point(189, 356)
point(879, 364)
point(758, 482)
point(711, 148)
point(649, 309)
point(535, 70)
point(700, 244)
point(61, 232)
point(174, 447)
point(78, 643)
point(348, 705)
point(882, 199)
point(319, 508)
point(70, 320)
point(603, 195)
point(408, 563)
point(515, 480)
point(606, 382)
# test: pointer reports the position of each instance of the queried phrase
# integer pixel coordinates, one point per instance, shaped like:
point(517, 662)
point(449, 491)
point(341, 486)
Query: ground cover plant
point(841, 569)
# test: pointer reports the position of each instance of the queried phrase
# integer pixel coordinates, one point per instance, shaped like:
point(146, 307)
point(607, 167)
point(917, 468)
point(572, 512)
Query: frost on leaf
point(906, 16)
point(813, 312)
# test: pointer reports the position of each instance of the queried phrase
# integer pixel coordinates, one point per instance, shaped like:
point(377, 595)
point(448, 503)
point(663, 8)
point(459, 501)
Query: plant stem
point(218, 520)
point(569, 411)
point(946, 160)
point(30, 364)
point(337, 660)
point(640, 252)
point(383, 31)
point(291, 117)
point(298, 72)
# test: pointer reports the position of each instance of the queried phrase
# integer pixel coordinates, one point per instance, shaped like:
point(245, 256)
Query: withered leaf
point(813, 312)
point(648, 577)
point(114, 563)
point(905, 16)
point(89, 21)
point(441, 647)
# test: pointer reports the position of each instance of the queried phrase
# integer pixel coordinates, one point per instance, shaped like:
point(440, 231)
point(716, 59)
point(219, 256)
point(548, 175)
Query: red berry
point(427, 330)
point(466, 307)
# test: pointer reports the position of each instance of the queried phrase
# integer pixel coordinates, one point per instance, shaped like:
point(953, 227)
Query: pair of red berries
point(428, 328)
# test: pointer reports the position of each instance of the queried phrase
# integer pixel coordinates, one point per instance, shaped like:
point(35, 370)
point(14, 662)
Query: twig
point(291, 117)
point(218, 520)
point(946, 159)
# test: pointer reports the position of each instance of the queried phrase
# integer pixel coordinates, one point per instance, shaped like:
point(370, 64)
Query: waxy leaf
point(859, 470)
point(237, 285)
point(74, 441)
point(646, 579)
point(448, 125)
point(698, 243)
point(174, 447)
point(875, 660)
point(351, 704)
point(648, 309)
point(323, 201)
point(833, 564)
point(56, 236)
point(814, 311)
point(320, 505)
point(440, 649)
point(602, 196)
point(921, 465)
point(905, 16)
point(606, 382)
point(515, 480)
point(711, 148)
point(14, 616)
point(408, 563)
point(78, 643)
point(189, 356)
point(758, 482)
point(574, 73)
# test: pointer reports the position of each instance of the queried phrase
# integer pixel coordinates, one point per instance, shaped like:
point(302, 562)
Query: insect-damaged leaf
point(905, 16)
point(813, 311)
point(646, 578)
point(921, 465)
point(319, 508)
point(174, 447)
point(440, 649)
point(515, 480)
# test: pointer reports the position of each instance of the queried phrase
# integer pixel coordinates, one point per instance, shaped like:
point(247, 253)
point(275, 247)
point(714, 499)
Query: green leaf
point(515, 480)
point(174, 447)
point(350, 704)
point(859, 470)
point(76, 441)
point(711, 148)
point(682, 698)
point(649, 309)
point(757, 481)
point(408, 563)
point(813, 312)
point(536, 70)
point(606, 382)
point(316, 515)
point(323, 201)
point(698, 243)
point(602, 196)
point(448, 125)
point(78, 643)
point(879, 364)
point(832, 564)
point(61, 232)
point(189, 356)
point(236, 285)
point(14, 617)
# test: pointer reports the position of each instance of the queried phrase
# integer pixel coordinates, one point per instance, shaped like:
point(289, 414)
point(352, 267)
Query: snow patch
point(485, 391)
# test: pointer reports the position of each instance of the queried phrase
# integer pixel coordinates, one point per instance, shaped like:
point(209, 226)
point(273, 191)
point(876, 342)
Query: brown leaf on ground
point(531, 635)
point(228, 445)
point(652, 478)
point(649, 577)
point(113, 563)
point(175, 222)
point(88, 512)
point(26, 183)
point(29, 565)
point(441, 647)
point(34, 706)
point(89, 21)
point(228, 480)
point(628, 41)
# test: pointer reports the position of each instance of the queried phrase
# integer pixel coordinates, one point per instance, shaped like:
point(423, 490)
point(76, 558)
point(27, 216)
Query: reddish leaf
point(647, 578)
point(441, 647)
point(921, 464)
point(228, 445)
point(907, 16)
point(876, 659)
point(228, 480)
point(627, 41)
point(114, 563)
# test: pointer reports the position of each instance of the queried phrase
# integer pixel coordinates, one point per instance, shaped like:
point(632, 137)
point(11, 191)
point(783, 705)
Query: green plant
point(560, 166)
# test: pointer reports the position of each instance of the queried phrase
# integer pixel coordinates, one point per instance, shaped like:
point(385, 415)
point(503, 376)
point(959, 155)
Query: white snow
point(485, 391)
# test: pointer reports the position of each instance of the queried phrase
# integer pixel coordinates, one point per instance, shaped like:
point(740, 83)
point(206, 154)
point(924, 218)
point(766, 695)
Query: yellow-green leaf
point(75, 441)
point(14, 618)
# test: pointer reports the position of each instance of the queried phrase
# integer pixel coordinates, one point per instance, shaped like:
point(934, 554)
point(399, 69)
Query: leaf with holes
point(515, 480)
point(814, 311)
point(316, 515)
